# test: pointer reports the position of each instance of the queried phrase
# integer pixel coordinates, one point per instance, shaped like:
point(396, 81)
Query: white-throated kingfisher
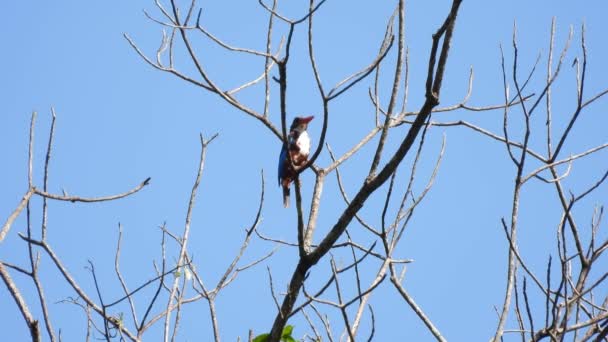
point(298, 145)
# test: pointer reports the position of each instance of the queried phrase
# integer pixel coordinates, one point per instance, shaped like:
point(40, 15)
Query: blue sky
point(119, 121)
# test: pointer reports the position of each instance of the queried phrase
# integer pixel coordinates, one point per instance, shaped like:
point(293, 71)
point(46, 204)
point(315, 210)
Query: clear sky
point(120, 121)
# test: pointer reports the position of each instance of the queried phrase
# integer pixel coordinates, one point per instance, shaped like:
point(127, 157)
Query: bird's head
point(300, 123)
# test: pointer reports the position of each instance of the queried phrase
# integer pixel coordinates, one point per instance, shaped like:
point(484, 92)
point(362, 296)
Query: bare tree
point(570, 306)
point(572, 309)
point(309, 254)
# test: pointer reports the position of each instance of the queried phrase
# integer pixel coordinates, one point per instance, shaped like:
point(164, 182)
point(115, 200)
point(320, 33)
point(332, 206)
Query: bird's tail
point(286, 196)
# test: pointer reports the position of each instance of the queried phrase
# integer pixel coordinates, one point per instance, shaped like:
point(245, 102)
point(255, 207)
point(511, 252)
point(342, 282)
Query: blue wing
point(281, 171)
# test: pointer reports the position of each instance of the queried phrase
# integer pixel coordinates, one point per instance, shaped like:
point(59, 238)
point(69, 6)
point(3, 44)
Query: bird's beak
point(307, 119)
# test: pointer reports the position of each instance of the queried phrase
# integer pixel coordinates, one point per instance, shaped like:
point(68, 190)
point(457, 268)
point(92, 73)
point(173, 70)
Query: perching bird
point(298, 145)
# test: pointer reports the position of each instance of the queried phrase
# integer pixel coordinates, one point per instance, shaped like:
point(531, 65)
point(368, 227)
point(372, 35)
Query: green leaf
point(286, 336)
point(261, 338)
point(287, 331)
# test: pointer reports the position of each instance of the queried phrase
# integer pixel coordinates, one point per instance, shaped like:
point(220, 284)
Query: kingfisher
point(298, 145)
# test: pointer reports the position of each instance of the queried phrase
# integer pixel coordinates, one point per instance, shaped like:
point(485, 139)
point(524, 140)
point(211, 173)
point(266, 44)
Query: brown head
point(300, 123)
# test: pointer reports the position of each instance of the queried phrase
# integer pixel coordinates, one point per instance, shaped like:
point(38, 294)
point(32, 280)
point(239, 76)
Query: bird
point(298, 147)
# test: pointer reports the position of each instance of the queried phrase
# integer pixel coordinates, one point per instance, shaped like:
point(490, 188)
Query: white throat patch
point(303, 143)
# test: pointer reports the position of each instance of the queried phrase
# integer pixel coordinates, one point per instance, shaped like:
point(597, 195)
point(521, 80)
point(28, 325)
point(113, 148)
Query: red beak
point(307, 119)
